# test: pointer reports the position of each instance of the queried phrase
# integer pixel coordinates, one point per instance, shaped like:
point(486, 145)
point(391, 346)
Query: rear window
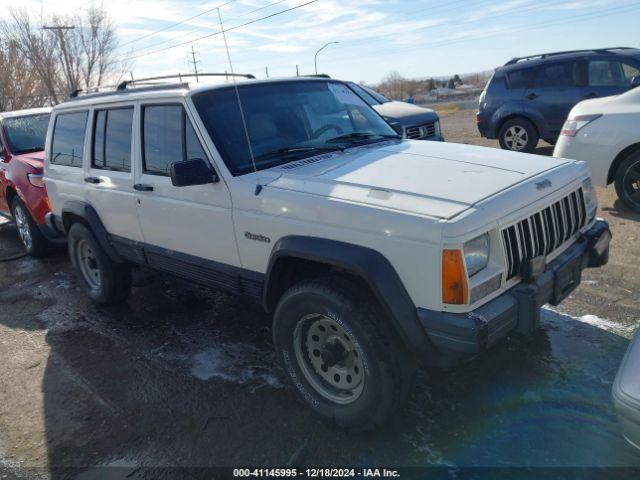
point(112, 139)
point(67, 147)
point(26, 134)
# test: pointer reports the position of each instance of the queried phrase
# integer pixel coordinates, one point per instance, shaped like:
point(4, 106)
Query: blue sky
point(416, 38)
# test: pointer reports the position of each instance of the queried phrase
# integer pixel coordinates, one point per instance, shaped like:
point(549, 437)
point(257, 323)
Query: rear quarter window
point(67, 147)
point(522, 78)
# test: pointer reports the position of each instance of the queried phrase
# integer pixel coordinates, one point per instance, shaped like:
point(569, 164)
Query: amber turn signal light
point(454, 279)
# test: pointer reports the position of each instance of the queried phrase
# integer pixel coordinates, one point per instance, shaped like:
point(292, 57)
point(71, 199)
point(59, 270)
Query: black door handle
point(93, 180)
point(142, 187)
point(532, 96)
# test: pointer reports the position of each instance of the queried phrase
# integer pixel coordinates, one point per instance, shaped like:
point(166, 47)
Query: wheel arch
point(613, 169)
point(76, 211)
point(296, 257)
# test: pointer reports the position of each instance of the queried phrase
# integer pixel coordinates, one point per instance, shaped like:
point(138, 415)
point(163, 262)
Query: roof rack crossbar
point(550, 54)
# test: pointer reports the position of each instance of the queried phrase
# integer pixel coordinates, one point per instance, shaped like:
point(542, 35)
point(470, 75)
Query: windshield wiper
point(360, 136)
point(284, 152)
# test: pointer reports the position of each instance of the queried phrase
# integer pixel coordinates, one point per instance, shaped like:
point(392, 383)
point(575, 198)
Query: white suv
point(371, 251)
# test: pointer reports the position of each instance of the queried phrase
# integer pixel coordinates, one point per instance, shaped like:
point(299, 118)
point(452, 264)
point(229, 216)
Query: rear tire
point(341, 356)
point(102, 279)
point(34, 242)
point(627, 181)
point(518, 135)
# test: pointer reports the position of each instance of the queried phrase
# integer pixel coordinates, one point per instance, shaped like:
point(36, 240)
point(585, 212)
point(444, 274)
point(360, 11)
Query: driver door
point(184, 228)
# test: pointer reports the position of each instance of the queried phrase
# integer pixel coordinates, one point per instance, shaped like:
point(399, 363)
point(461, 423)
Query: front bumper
point(457, 336)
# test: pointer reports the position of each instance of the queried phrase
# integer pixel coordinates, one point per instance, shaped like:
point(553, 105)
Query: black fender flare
point(372, 267)
point(92, 219)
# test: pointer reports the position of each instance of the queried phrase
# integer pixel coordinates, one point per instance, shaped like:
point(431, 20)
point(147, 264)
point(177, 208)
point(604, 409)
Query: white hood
point(428, 178)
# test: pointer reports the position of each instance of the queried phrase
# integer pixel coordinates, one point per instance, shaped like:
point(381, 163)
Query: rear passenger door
point(556, 89)
point(188, 230)
point(109, 183)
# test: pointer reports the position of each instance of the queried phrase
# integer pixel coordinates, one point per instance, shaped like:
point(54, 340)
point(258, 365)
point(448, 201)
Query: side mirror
point(192, 172)
point(635, 82)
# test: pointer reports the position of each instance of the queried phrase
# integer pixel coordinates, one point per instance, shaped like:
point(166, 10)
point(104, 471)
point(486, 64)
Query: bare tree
point(17, 90)
point(67, 59)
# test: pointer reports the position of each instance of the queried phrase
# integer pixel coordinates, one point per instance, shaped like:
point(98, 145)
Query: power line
point(168, 27)
point(201, 30)
point(226, 30)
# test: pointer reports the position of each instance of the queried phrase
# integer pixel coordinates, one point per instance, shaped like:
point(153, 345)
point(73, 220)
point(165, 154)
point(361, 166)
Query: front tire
point(627, 181)
point(518, 135)
point(341, 356)
point(102, 279)
point(34, 242)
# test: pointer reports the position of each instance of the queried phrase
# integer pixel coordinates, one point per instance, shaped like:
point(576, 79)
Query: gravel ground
point(183, 376)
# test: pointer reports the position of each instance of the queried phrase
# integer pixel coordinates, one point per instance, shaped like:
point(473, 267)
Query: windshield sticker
point(345, 94)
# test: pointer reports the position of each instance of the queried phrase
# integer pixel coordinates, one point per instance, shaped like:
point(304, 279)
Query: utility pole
point(297, 71)
point(195, 62)
point(266, 69)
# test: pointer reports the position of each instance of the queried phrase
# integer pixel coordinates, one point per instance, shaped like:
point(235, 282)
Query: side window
point(112, 139)
point(168, 137)
point(606, 73)
point(521, 78)
point(67, 147)
point(561, 74)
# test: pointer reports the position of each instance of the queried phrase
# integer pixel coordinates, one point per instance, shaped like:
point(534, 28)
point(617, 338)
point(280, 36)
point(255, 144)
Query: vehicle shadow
point(544, 150)
point(620, 210)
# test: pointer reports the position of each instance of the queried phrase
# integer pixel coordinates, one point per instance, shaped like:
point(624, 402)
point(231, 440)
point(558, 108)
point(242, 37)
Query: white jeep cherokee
point(371, 251)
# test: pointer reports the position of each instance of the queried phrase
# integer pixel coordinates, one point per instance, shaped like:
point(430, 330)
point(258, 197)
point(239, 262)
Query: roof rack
point(150, 83)
point(551, 54)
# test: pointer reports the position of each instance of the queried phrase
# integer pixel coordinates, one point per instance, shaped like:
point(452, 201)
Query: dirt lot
point(182, 376)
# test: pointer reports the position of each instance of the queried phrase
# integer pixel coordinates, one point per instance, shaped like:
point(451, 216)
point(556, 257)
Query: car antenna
point(244, 122)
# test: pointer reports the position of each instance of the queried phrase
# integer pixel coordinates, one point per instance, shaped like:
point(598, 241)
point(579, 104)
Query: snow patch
point(593, 320)
point(232, 362)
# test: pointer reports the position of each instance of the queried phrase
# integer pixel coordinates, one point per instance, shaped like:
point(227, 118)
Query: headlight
point(590, 199)
point(437, 130)
point(476, 254)
point(573, 125)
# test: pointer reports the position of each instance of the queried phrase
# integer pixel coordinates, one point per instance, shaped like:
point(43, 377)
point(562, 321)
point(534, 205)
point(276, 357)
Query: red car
point(22, 191)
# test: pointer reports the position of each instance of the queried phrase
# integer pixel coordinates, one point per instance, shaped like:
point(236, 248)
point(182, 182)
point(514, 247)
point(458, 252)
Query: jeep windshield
point(287, 121)
point(26, 134)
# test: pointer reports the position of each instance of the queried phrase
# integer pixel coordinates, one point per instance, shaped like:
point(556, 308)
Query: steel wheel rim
point(631, 183)
point(516, 138)
point(22, 224)
point(88, 264)
point(318, 342)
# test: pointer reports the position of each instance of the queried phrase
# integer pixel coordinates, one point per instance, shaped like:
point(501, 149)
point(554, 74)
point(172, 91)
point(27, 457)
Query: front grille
point(421, 131)
point(544, 232)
